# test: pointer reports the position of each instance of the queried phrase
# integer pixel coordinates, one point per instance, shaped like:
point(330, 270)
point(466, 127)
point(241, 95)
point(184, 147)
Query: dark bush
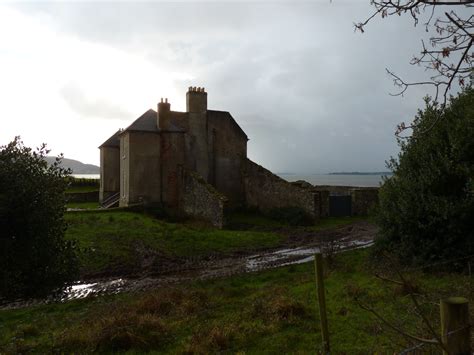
point(426, 209)
point(293, 216)
point(34, 257)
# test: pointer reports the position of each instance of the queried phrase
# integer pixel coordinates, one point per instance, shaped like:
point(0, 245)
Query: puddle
point(299, 255)
point(84, 290)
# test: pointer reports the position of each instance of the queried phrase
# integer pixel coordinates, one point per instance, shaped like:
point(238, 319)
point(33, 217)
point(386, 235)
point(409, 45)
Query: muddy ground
point(299, 246)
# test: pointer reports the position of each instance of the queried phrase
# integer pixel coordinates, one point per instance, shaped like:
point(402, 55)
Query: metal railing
point(111, 200)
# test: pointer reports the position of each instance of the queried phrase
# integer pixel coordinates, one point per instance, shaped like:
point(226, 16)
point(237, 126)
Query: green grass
point(118, 241)
point(83, 205)
point(268, 312)
point(76, 189)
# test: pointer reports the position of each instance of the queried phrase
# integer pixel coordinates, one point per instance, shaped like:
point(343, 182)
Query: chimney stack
point(164, 106)
point(196, 100)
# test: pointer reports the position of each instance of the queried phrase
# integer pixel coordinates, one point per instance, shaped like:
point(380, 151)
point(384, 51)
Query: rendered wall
point(201, 200)
point(265, 191)
point(228, 149)
point(109, 172)
point(197, 150)
point(172, 161)
point(124, 169)
point(141, 175)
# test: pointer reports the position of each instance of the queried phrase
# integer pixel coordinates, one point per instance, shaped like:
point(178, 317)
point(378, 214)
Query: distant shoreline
point(340, 173)
point(362, 173)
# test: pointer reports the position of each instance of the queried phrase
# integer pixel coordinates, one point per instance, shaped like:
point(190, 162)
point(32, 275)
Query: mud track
point(299, 246)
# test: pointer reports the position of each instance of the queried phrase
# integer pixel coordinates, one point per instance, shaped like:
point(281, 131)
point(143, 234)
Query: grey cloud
point(311, 94)
point(76, 98)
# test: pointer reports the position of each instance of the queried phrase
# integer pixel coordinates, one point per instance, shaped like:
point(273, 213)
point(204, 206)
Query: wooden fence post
point(318, 261)
point(455, 329)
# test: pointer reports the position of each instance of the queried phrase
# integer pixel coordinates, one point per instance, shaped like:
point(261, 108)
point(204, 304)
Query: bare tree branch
point(450, 52)
point(395, 328)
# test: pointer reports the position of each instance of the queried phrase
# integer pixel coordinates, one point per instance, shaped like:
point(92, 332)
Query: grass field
point(83, 205)
point(268, 312)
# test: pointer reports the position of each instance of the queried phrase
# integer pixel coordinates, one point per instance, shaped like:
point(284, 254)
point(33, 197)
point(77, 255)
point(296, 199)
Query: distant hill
point(76, 166)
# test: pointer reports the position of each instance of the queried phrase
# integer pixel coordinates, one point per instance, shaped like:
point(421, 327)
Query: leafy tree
point(34, 257)
point(426, 210)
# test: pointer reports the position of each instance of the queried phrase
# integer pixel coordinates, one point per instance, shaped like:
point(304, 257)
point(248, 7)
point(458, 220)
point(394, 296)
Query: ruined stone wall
point(109, 171)
point(265, 191)
point(142, 168)
point(201, 200)
point(363, 199)
point(322, 203)
point(227, 150)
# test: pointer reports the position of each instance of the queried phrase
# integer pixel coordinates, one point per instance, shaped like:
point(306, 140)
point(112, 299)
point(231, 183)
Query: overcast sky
point(311, 94)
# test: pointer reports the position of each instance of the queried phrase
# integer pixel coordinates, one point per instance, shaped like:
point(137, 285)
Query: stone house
point(192, 162)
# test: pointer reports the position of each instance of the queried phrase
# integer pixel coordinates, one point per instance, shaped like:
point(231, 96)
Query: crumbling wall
point(265, 191)
point(322, 202)
point(202, 200)
point(363, 199)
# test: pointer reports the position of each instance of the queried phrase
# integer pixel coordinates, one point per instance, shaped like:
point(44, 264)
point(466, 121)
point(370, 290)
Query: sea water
point(314, 179)
point(337, 180)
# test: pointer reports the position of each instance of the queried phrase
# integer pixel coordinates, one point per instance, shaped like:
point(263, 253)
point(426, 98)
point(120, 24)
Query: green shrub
point(426, 209)
point(34, 257)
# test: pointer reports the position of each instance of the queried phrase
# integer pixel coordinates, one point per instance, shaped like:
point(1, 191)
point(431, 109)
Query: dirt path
point(299, 247)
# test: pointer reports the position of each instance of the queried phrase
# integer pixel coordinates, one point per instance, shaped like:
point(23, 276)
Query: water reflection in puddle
point(294, 256)
point(83, 290)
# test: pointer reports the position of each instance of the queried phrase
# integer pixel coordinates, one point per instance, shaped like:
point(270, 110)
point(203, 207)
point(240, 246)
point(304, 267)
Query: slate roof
point(145, 123)
point(148, 123)
point(113, 141)
point(220, 115)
